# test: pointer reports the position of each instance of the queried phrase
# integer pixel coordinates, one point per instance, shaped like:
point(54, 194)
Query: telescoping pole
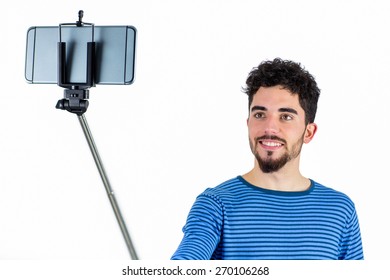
point(110, 193)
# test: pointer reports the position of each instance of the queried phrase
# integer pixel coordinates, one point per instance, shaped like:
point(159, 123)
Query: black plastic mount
point(74, 101)
point(75, 94)
point(62, 69)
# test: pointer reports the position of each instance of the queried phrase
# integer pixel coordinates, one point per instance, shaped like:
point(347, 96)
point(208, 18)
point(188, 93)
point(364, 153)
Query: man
point(273, 211)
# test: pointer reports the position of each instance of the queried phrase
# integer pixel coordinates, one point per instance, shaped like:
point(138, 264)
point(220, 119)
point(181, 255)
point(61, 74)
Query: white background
point(181, 127)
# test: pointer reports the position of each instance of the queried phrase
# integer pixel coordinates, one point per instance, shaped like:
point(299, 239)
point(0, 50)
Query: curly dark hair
point(291, 76)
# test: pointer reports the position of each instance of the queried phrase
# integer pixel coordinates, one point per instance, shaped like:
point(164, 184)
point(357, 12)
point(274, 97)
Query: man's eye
point(286, 117)
point(259, 115)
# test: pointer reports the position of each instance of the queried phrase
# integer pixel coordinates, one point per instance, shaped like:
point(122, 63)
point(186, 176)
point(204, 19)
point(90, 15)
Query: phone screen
point(114, 53)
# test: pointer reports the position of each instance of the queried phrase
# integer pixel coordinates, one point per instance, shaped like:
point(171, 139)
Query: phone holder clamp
point(75, 94)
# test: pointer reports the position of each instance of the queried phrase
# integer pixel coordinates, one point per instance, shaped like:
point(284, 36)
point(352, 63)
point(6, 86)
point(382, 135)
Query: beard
point(269, 164)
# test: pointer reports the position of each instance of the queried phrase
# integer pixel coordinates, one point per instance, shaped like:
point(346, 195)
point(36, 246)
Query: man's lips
point(271, 142)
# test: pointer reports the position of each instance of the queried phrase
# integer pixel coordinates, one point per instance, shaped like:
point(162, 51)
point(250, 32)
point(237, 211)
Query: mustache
point(270, 137)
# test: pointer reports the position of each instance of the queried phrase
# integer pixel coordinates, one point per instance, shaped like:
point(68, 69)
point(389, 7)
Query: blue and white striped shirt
point(237, 220)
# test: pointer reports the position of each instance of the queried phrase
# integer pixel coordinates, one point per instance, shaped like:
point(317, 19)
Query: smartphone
point(114, 53)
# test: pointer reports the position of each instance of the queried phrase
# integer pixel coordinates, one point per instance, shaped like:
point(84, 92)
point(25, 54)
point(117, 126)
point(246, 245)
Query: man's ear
point(311, 130)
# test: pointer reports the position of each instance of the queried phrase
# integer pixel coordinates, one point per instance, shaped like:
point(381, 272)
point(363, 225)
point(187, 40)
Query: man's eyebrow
point(258, 108)
point(288, 110)
point(282, 110)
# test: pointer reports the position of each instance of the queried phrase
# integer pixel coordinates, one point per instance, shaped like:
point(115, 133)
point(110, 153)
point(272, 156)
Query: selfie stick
point(74, 101)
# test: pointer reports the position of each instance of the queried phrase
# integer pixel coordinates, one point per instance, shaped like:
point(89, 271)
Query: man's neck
point(282, 180)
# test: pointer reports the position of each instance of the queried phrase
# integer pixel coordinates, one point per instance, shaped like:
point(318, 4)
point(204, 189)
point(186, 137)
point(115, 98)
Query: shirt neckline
point(276, 192)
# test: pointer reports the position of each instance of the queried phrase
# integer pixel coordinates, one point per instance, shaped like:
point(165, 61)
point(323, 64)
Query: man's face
point(277, 129)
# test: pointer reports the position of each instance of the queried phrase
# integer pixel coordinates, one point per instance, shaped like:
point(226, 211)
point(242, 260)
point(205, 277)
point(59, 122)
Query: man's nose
point(271, 126)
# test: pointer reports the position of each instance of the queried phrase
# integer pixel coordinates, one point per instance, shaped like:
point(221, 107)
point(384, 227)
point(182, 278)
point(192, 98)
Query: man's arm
point(352, 248)
point(202, 231)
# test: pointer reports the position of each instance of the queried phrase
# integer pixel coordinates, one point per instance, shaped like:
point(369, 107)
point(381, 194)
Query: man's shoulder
point(226, 186)
point(331, 193)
